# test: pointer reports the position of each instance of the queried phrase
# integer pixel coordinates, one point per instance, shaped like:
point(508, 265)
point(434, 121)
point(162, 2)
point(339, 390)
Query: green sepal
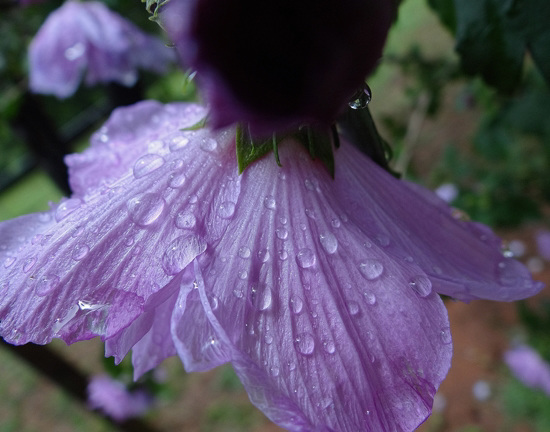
point(318, 141)
point(199, 125)
point(153, 6)
point(251, 149)
point(358, 127)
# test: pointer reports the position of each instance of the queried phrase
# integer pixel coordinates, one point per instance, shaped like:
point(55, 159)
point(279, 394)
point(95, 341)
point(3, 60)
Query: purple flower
point(87, 38)
point(543, 244)
point(280, 64)
point(322, 293)
point(113, 398)
point(529, 367)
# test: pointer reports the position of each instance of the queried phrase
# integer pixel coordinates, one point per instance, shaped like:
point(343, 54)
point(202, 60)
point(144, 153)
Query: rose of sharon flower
point(529, 367)
point(113, 398)
point(87, 38)
point(321, 292)
point(277, 65)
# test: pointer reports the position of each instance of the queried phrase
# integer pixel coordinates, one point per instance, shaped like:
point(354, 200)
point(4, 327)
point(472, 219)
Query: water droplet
point(77, 232)
point(263, 255)
point(269, 202)
point(329, 242)
point(243, 274)
point(310, 213)
point(274, 371)
point(226, 209)
point(261, 296)
point(145, 209)
point(370, 298)
point(66, 208)
point(511, 273)
point(176, 180)
point(46, 284)
point(283, 220)
point(185, 220)
point(309, 185)
point(335, 223)
point(214, 302)
point(371, 269)
point(296, 304)
point(181, 252)
point(147, 164)
point(238, 293)
point(80, 251)
point(268, 339)
point(8, 262)
point(29, 264)
point(361, 98)
point(329, 346)
point(193, 199)
point(325, 402)
point(353, 308)
point(156, 146)
point(305, 258)
point(305, 343)
point(244, 252)
point(209, 144)
point(421, 284)
point(88, 306)
point(445, 336)
point(281, 233)
point(75, 52)
point(178, 142)
point(383, 240)
point(283, 255)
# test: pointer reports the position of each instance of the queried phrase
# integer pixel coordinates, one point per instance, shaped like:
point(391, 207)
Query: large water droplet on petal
point(329, 346)
point(66, 208)
point(329, 242)
point(263, 255)
point(269, 202)
point(80, 251)
point(353, 308)
point(305, 258)
point(421, 284)
point(305, 343)
point(145, 209)
point(226, 209)
point(29, 264)
point(209, 144)
point(296, 304)
point(261, 297)
point(8, 262)
point(178, 142)
point(244, 252)
point(281, 233)
point(370, 298)
point(147, 164)
point(371, 269)
point(181, 252)
point(361, 98)
point(176, 180)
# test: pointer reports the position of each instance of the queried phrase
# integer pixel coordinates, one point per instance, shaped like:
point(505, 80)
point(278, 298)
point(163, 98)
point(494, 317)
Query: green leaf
point(318, 141)
point(493, 36)
point(250, 150)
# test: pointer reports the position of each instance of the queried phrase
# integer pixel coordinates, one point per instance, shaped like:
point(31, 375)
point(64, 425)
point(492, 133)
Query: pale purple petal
point(529, 367)
point(113, 398)
point(543, 244)
point(86, 38)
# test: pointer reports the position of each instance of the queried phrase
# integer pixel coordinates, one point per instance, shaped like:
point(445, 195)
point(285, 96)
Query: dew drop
point(335, 223)
point(66, 208)
point(177, 143)
point(147, 164)
point(309, 185)
point(185, 220)
point(421, 284)
point(193, 199)
point(263, 255)
point(214, 302)
point(46, 285)
point(80, 251)
point(269, 202)
point(305, 343)
point(181, 252)
point(383, 240)
point(88, 306)
point(283, 220)
point(29, 264)
point(176, 180)
point(238, 293)
point(353, 308)
point(243, 274)
point(281, 233)
point(329, 347)
point(281, 175)
point(361, 98)
point(371, 269)
point(176, 164)
point(268, 339)
point(445, 336)
point(261, 296)
point(8, 262)
point(209, 144)
point(244, 252)
point(310, 213)
point(226, 209)
point(155, 146)
point(145, 209)
point(329, 242)
point(510, 273)
point(283, 255)
point(370, 298)
point(296, 304)
point(305, 258)
point(274, 371)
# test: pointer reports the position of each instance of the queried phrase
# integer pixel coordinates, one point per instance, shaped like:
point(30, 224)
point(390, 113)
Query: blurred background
point(486, 153)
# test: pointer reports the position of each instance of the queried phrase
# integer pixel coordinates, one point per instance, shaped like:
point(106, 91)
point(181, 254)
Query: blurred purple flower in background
point(115, 400)
point(322, 293)
point(529, 367)
point(278, 65)
point(86, 38)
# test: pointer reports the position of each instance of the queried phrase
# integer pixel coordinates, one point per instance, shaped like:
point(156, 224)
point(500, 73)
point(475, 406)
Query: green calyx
point(153, 6)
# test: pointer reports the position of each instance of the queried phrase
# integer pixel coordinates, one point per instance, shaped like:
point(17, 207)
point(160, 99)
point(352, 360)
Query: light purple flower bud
point(529, 367)
point(87, 39)
point(322, 292)
point(113, 398)
point(278, 65)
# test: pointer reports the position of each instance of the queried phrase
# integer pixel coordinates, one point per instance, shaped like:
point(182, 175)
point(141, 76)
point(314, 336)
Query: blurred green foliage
point(523, 404)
